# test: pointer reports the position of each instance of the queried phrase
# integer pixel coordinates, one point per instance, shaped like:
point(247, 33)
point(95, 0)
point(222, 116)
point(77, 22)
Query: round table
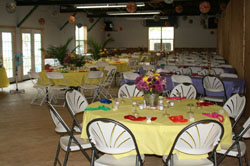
point(4, 81)
point(158, 136)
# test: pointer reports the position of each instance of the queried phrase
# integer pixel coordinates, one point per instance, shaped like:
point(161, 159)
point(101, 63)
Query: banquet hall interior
point(74, 38)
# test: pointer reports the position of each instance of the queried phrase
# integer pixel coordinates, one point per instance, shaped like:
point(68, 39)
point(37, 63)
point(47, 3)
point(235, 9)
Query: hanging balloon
point(223, 6)
point(190, 21)
point(168, 1)
point(10, 6)
point(91, 20)
point(179, 9)
point(202, 21)
point(167, 23)
point(71, 19)
point(211, 32)
point(41, 21)
point(79, 25)
point(102, 30)
point(184, 18)
point(156, 18)
point(205, 7)
point(120, 28)
point(131, 7)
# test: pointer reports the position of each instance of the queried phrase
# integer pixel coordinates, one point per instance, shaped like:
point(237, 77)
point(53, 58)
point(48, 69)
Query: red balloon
point(120, 28)
point(223, 6)
point(91, 20)
point(131, 7)
point(167, 23)
point(212, 32)
point(41, 21)
point(190, 21)
point(205, 7)
point(71, 19)
point(102, 30)
point(179, 9)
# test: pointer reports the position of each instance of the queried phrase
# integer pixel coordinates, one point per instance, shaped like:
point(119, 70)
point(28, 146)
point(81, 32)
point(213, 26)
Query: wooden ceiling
point(190, 7)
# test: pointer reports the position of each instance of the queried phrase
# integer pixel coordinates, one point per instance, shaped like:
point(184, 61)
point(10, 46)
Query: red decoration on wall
point(211, 32)
point(205, 7)
point(91, 20)
point(131, 7)
point(71, 19)
point(190, 21)
point(179, 9)
point(41, 21)
point(223, 6)
point(102, 30)
point(202, 21)
point(120, 28)
point(167, 23)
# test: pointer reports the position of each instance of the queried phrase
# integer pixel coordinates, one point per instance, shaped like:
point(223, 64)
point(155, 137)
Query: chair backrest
point(148, 67)
point(229, 75)
point(33, 77)
point(235, 106)
point(185, 71)
point(226, 66)
point(205, 72)
point(172, 68)
point(246, 129)
point(180, 79)
point(182, 90)
point(200, 137)
point(61, 126)
point(213, 84)
point(218, 71)
point(109, 68)
point(110, 136)
point(128, 91)
point(109, 78)
point(130, 75)
point(102, 64)
point(75, 101)
point(195, 69)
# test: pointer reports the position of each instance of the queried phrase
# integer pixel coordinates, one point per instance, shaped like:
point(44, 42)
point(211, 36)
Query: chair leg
point(246, 159)
point(57, 154)
point(239, 154)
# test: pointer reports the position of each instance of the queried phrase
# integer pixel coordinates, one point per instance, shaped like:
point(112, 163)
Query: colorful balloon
point(179, 9)
point(131, 7)
point(205, 7)
point(71, 19)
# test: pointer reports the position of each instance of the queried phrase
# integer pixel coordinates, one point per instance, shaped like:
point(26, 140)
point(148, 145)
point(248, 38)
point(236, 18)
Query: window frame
point(161, 39)
point(84, 40)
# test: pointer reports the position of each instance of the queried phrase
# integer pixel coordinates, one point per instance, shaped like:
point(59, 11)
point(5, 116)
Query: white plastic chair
point(238, 148)
point(130, 76)
point(109, 68)
point(185, 71)
point(105, 86)
point(57, 91)
point(218, 71)
point(198, 138)
point(148, 67)
point(235, 106)
point(226, 66)
point(228, 75)
point(205, 72)
point(213, 84)
point(128, 91)
point(112, 137)
point(98, 75)
point(42, 89)
point(182, 90)
point(180, 79)
point(70, 142)
point(195, 69)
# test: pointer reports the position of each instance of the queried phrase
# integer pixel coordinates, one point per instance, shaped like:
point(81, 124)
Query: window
point(81, 40)
point(7, 53)
point(161, 38)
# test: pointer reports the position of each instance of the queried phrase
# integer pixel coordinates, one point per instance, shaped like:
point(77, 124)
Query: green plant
point(59, 52)
point(96, 48)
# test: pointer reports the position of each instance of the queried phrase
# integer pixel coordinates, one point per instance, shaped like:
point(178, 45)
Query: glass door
point(7, 52)
point(31, 49)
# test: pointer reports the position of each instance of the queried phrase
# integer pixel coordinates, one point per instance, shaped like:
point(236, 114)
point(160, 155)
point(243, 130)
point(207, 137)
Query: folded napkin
point(178, 118)
point(204, 103)
point(64, 71)
point(195, 74)
point(105, 101)
point(83, 71)
point(117, 62)
point(102, 107)
point(49, 70)
point(215, 115)
point(93, 69)
point(133, 118)
point(175, 98)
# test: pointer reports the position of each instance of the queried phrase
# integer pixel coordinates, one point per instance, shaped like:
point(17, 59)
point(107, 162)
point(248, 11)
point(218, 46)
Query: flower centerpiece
point(152, 85)
point(73, 61)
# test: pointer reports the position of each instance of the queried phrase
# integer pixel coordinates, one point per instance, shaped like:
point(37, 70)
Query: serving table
point(158, 136)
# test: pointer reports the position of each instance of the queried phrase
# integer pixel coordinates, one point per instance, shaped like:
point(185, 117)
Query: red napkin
point(178, 118)
point(195, 74)
point(83, 71)
point(204, 103)
point(49, 70)
point(133, 118)
point(175, 98)
point(117, 62)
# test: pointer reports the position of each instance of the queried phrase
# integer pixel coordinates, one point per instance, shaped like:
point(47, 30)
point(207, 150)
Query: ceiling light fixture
point(136, 13)
point(107, 5)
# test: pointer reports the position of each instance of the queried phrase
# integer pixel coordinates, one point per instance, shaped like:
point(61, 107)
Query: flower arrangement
point(76, 60)
point(151, 83)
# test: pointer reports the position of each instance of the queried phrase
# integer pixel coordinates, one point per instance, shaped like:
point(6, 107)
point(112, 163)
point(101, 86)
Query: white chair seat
point(215, 98)
point(110, 160)
point(201, 162)
point(77, 129)
point(234, 151)
point(73, 147)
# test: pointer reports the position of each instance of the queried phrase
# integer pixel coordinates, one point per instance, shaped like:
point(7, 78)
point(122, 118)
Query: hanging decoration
point(179, 9)
point(120, 28)
point(71, 19)
point(205, 7)
point(10, 6)
point(168, 1)
point(223, 6)
point(41, 21)
point(91, 20)
point(202, 21)
point(190, 21)
point(156, 18)
point(184, 18)
point(131, 7)
point(167, 23)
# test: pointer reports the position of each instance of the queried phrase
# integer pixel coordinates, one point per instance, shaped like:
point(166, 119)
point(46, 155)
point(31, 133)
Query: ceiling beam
point(27, 16)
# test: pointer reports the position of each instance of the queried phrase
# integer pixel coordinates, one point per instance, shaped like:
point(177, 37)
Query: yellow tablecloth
point(122, 66)
point(4, 81)
point(72, 79)
point(156, 137)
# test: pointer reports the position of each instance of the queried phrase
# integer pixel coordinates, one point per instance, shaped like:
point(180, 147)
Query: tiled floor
point(27, 136)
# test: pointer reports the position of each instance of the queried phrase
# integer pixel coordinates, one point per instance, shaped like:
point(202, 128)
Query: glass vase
point(151, 99)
